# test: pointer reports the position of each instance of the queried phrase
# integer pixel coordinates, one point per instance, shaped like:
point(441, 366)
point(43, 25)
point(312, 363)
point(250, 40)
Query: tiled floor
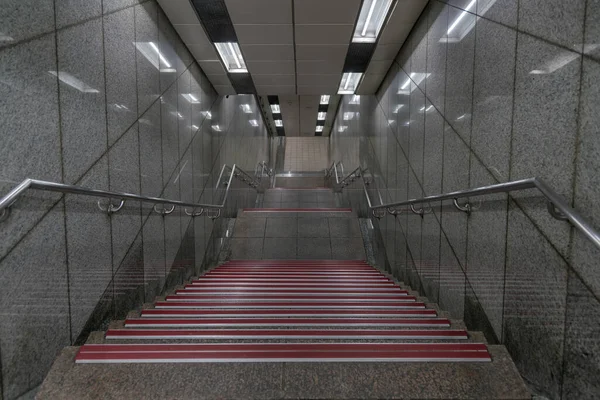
point(303, 154)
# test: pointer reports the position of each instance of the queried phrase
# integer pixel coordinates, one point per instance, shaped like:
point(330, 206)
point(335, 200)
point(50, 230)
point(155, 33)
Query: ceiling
point(295, 49)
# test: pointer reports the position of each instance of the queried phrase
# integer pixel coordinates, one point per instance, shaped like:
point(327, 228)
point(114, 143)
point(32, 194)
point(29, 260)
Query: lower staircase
point(287, 329)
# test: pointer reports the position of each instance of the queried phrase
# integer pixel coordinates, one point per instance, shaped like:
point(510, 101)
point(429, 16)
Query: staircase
point(259, 326)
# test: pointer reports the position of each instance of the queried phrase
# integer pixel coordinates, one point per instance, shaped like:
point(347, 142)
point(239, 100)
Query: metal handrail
point(9, 199)
point(557, 206)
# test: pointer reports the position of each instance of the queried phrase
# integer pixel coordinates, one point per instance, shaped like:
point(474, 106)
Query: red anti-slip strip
point(299, 298)
point(286, 333)
point(256, 322)
point(286, 313)
point(283, 356)
point(218, 285)
point(235, 291)
point(233, 347)
point(289, 305)
point(297, 210)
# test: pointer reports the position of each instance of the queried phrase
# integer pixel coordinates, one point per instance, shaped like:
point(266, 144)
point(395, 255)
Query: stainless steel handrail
point(11, 197)
point(557, 206)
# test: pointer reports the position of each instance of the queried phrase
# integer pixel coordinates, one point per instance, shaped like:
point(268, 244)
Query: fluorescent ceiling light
point(321, 116)
point(254, 122)
point(216, 128)
point(121, 107)
point(349, 83)
point(151, 52)
point(275, 109)
point(195, 127)
point(278, 123)
point(461, 117)
point(398, 107)
point(417, 78)
point(461, 25)
point(319, 128)
point(190, 98)
point(423, 109)
point(207, 114)
point(355, 99)
point(75, 83)
point(246, 108)
point(177, 114)
point(460, 17)
point(342, 128)
point(370, 20)
point(325, 99)
point(232, 57)
point(348, 116)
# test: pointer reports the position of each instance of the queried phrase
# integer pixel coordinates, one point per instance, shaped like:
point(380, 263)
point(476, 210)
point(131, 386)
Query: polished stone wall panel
point(147, 63)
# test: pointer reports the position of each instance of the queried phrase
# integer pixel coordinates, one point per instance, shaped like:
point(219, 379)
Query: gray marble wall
point(509, 91)
point(97, 93)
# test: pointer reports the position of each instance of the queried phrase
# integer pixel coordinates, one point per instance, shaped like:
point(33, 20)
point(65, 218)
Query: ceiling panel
point(179, 11)
point(321, 52)
point(316, 67)
point(317, 90)
point(191, 33)
point(224, 90)
point(275, 89)
point(218, 79)
point(265, 34)
point(271, 67)
point(385, 52)
point(379, 67)
point(319, 80)
point(203, 52)
point(212, 67)
point(274, 80)
point(320, 34)
point(326, 11)
point(258, 52)
point(260, 11)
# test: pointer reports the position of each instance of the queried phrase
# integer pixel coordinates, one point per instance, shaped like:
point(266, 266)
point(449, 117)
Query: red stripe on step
point(286, 333)
point(287, 321)
point(288, 305)
point(233, 347)
point(235, 291)
point(299, 298)
point(284, 356)
point(287, 313)
point(344, 210)
point(293, 285)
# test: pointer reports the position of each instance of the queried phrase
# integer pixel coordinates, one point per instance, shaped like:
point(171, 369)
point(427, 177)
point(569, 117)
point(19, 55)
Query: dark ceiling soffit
point(242, 83)
point(214, 16)
point(358, 57)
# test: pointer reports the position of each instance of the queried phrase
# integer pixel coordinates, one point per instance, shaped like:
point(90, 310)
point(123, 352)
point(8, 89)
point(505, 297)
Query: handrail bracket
point(466, 208)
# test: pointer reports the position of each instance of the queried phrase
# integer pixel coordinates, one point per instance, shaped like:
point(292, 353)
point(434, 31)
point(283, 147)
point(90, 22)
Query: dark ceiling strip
point(322, 108)
point(294, 43)
point(358, 57)
point(275, 100)
point(218, 26)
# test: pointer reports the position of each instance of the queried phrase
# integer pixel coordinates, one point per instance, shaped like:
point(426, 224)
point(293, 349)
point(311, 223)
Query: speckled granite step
point(333, 380)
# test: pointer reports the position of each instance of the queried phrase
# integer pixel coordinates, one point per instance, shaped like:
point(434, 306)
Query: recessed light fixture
point(342, 128)
point(348, 116)
point(246, 108)
point(319, 128)
point(254, 122)
point(370, 20)
point(216, 128)
point(321, 116)
point(75, 83)
point(151, 52)
point(190, 98)
point(232, 57)
point(275, 109)
point(349, 83)
point(278, 123)
point(325, 99)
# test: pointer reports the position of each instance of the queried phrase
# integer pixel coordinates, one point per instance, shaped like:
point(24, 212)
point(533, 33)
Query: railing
point(260, 170)
point(557, 206)
point(236, 172)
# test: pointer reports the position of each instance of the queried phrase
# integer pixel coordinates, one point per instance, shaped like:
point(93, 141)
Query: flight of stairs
point(287, 329)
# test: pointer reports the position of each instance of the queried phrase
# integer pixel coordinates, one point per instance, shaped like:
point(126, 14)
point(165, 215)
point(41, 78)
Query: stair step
point(259, 334)
point(231, 298)
point(297, 210)
point(296, 322)
point(369, 285)
point(290, 292)
point(287, 305)
point(275, 352)
point(358, 313)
